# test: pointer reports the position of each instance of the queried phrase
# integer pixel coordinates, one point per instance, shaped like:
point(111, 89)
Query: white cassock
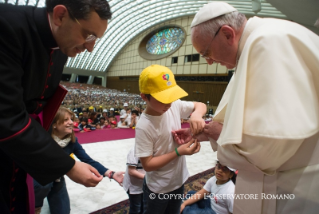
point(271, 119)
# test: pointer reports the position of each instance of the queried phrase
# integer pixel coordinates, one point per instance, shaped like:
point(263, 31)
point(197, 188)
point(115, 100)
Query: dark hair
point(92, 115)
point(148, 96)
point(81, 9)
point(85, 119)
point(135, 111)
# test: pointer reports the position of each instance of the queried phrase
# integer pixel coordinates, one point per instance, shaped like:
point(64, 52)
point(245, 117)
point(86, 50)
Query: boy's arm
point(196, 120)
point(154, 163)
point(133, 172)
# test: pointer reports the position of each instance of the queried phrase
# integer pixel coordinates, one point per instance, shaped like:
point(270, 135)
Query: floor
point(112, 154)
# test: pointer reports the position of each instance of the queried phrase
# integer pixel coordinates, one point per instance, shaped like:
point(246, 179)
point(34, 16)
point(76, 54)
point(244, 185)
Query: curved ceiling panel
point(131, 18)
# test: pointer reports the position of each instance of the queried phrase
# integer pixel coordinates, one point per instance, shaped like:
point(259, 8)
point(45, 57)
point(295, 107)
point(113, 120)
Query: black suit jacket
point(30, 71)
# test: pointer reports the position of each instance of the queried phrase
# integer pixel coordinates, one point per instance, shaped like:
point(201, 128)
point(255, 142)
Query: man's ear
point(59, 13)
point(229, 33)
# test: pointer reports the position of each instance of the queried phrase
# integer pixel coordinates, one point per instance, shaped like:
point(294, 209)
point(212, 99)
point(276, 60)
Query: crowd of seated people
point(81, 96)
point(97, 107)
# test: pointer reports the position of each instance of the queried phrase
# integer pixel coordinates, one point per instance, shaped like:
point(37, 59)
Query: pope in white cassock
point(267, 123)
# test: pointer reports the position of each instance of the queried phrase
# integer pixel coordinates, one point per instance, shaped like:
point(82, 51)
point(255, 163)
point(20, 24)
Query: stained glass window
point(165, 41)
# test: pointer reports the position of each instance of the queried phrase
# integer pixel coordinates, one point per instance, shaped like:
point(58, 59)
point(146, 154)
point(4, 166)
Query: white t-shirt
point(221, 199)
point(123, 111)
point(154, 137)
point(128, 119)
point(135, 185)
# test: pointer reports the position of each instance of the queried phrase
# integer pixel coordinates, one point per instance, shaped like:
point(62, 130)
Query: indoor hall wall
point(130, 63)
point(197, 91)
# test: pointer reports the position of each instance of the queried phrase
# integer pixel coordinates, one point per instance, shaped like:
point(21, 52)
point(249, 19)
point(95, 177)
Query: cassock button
point(14, 199)
point(40, 104)
point(51, 63)
point(49, 75)
point(12, 209)
point(46, 86)
point(12, 189)
point(16, 170)
point(42, 97)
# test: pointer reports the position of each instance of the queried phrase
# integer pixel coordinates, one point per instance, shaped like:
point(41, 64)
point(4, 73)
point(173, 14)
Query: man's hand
point(182, 136)
point(189, 148)
point(213, 130)
point(84, 174)
point(201, 137)
point(118, 177)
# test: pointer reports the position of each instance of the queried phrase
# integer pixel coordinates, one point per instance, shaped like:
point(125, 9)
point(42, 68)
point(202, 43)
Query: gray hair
point(210, 27)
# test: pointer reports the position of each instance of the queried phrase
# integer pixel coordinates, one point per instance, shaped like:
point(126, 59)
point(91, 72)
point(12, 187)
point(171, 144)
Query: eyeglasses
point(205, 52)
point(221, 167)
point(90, 37)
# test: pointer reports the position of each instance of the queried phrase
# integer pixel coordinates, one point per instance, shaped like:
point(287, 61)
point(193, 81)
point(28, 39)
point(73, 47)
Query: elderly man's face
point(215, 48)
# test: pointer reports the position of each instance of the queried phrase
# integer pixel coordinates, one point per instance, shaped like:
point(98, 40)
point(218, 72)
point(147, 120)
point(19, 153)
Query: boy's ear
point(144, 97)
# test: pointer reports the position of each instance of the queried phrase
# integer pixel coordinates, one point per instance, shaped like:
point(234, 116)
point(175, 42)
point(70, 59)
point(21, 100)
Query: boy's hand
point(182, 136)
point(189, 148)
point(196, 123)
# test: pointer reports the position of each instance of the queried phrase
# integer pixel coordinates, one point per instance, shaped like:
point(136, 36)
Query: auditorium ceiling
point(131, 17)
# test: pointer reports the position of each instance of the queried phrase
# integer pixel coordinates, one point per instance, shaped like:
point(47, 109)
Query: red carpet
point(108, 134)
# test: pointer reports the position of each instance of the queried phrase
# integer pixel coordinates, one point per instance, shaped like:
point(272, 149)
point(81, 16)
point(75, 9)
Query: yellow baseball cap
point(159, 82)
point(91, 107)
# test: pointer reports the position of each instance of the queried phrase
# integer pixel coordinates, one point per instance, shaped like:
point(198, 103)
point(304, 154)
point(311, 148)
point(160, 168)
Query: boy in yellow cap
point(162, 158)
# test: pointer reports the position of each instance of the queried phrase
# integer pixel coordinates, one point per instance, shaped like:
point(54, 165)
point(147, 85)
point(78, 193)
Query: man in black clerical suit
point(34, 46)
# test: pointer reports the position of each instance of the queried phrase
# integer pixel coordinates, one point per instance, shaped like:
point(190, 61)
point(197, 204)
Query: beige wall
point(129, 62)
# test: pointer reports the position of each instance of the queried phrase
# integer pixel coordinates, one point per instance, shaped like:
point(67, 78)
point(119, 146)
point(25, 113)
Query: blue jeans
point(136, 203)
point(158, 203)
point(56, 194)
point(200, 207)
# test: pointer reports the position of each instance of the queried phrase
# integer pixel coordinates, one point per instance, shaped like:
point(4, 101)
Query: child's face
point(106, 123)
point(156, 108)
point(83, 123)
point(222, 173)
point(102, 121)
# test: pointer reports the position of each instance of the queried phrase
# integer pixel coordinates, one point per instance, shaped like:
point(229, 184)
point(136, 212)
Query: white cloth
point(271, 117)
point(123, 112)
point(153, 137)
point(63, 143)
point(128, 119)
point(135, 185)
point(221, 195)
point(119, 125)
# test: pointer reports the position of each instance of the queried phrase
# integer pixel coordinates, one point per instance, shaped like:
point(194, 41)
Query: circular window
point(162, 42)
